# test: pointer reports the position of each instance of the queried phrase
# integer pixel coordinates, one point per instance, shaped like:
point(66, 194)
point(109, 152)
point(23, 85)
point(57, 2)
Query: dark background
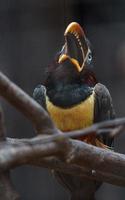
point(31, 32)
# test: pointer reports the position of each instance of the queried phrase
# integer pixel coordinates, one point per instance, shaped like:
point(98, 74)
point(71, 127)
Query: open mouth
point(75, 47)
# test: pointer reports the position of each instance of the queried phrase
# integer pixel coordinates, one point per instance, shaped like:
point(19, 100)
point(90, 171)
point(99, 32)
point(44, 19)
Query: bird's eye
point(89, 59)
point(62, 50)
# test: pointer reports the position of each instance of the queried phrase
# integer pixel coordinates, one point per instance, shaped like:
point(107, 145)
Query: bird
point(75, 99)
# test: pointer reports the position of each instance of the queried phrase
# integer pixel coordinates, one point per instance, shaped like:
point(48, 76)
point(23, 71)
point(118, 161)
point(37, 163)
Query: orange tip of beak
point(62, 58)
point(74, 27)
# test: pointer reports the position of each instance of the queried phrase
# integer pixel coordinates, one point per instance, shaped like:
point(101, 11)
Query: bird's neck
point(70, 95)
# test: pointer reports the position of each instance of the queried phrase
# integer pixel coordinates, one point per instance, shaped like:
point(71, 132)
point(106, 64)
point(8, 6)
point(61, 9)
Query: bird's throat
point(70, 95)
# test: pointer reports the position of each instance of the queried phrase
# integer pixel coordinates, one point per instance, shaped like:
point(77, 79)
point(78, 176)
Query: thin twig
point(117, 131)
point(98, 129)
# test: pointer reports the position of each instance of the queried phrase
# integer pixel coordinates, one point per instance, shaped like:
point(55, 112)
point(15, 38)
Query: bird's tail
point(77, 195)
point(79, 188)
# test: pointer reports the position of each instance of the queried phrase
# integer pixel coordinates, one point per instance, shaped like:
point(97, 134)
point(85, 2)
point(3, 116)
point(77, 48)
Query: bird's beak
point(75, 47)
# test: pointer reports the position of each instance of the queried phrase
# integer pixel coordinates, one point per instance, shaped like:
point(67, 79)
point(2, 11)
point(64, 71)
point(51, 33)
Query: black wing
point(103, 109)
point(39, 94)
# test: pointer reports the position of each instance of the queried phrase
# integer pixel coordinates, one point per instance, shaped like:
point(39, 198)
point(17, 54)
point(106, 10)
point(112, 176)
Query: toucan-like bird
point(75, 100)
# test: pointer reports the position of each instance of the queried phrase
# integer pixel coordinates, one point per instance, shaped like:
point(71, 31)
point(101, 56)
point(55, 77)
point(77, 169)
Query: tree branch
point(103, 165)
point(26, 105)
point(7, 191)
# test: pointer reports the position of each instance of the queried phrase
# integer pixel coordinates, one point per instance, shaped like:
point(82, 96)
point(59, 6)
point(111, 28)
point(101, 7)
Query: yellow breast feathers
point(77, 117)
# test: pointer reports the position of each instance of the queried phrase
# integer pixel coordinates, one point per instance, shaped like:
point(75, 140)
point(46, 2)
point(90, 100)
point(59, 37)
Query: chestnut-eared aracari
point(74, 99)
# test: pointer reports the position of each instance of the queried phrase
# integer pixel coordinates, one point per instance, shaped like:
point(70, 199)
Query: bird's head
point(76, 48)
point(70, 78)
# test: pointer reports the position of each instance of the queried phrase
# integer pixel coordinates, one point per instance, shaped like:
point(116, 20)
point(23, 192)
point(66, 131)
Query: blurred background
point(31, 32)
